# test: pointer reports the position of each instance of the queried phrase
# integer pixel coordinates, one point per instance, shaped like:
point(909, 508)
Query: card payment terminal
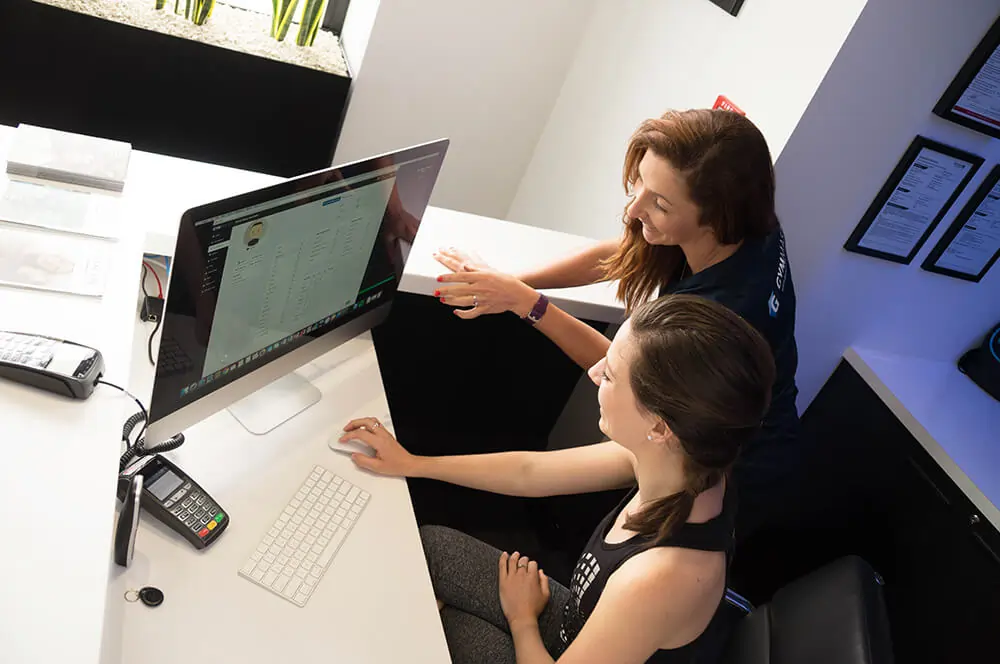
point(177, 500)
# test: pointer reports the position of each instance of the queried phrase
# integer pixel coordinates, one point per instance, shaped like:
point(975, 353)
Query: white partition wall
point(641, 57)
point(877, 96)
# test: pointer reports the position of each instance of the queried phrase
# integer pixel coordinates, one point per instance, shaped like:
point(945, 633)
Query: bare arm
point(494, 292)
point(582, 343)
point(585, 469)
point(578, 269)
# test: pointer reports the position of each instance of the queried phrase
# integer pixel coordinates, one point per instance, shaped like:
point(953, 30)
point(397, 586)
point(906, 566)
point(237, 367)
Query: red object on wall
point(725, 104)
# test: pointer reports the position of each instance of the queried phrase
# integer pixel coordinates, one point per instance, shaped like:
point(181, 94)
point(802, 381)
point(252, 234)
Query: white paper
point(924, 189)
point(59, 209)
point(45, 260)
point(981, 100)
point(978, 241)
point(51, 154)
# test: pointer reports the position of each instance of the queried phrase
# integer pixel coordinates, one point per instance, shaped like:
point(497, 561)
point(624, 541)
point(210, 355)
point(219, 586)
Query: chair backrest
point(835, 615)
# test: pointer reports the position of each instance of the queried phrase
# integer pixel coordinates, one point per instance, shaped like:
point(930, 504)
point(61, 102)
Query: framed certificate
point(973, 98)
point(924, 184)
point(972, 244)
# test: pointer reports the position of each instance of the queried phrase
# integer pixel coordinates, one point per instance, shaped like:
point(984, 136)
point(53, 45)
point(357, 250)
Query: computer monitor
point(264, 282)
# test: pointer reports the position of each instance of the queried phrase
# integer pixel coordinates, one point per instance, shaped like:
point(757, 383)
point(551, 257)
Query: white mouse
point(350, 446)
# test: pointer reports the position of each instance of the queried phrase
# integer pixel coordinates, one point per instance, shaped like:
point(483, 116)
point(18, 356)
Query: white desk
point(376, 587)
point(955, 421)
point(58, 468)
point(375, 602)
point(508, 247)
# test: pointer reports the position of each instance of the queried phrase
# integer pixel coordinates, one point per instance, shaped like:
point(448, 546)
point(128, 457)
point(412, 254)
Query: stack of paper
point(48, 154)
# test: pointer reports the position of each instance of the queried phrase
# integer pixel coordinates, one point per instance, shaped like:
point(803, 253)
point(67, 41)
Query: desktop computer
point(266, 281)
point(261, 284)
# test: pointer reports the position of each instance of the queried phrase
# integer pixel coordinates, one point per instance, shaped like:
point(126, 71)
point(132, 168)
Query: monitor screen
point(258, 275)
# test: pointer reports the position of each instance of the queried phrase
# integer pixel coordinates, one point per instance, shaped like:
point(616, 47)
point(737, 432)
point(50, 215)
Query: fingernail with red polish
point(440, 278)
point(437, 293)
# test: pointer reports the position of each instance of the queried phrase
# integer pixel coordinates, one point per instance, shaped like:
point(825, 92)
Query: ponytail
point(660, 519)
point(707, 375)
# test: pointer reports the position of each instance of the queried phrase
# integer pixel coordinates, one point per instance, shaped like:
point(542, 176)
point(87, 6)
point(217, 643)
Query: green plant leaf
point(284, 18)
point(312, 17)
point(202, 10)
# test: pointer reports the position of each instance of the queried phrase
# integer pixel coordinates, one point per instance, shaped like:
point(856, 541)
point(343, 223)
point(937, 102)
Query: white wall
point(483, 73)
point(876, 97)
point(641, 57)
point(357, 30)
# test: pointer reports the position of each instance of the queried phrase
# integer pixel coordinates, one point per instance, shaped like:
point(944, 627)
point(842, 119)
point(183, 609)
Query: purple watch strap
point(538, 310)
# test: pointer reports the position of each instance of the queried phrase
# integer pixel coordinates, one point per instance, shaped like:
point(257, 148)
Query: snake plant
point(312, 16)
point(201, 11)
point(281, 18)
point(196, 10)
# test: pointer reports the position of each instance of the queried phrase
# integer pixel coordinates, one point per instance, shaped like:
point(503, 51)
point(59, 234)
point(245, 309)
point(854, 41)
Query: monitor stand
point(275, 404)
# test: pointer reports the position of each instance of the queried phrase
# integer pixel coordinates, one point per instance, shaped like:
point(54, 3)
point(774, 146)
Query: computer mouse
point(351, 446)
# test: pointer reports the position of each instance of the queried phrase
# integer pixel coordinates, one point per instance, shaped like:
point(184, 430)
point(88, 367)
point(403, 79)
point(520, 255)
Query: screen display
point(259, 275)
point(163, 483)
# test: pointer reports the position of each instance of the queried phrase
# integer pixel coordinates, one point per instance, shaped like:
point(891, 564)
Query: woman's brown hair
point(724, 160)
point(707, 374)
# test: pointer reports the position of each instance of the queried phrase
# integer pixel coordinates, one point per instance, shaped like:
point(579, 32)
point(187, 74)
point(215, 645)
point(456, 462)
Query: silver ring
point(475, 301)
point(131, 595)
point(519, 565)
point(376, 425)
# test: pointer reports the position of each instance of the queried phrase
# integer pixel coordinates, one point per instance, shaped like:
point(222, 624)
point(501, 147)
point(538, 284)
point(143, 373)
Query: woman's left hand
point(486, 292)
point(524, 589)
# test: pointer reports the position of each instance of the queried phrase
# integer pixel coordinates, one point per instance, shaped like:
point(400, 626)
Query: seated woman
point(682, 387)
point(700, 220)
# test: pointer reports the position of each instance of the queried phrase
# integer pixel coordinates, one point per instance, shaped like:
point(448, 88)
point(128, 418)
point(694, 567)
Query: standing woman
point(700, 220)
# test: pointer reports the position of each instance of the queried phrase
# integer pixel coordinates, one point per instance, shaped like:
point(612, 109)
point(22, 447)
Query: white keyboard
point(295, 552)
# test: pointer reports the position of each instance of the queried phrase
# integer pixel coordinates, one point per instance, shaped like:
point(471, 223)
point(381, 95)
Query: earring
point(649, 436)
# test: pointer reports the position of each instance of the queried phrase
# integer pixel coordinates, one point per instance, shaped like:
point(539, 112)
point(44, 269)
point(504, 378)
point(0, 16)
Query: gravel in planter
point(229, 27)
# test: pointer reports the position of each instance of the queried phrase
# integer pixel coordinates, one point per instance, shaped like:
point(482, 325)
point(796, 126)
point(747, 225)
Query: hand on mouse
point(390, 457)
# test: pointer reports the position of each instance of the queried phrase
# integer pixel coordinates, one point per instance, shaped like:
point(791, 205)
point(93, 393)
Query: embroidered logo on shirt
point(779, 279)
point(772, 305)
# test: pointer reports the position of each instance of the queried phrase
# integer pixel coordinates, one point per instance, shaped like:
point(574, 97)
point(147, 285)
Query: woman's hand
point(524, 589)
point(457, 260)
point(390, 457)
point(486, 292)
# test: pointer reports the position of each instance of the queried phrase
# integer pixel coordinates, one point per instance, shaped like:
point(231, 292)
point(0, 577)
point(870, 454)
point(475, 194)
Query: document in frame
point(981, 100)
point(916, 203)
point(60, 209)
point(972, 245)
point(43, 260)
point(973, 98)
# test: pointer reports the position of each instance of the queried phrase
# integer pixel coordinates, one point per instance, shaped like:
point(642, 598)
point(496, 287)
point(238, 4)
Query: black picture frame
point(730, 6)
point(890, 186)
point(989, 47)
point(971, 207)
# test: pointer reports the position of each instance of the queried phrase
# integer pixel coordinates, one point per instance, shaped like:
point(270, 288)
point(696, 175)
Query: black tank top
point(600, 560)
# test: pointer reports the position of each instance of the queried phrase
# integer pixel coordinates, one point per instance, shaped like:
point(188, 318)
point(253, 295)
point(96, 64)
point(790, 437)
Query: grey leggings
point(465, 577)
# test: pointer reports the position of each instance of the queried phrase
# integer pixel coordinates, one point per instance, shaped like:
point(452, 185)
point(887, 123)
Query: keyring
point(148, 595)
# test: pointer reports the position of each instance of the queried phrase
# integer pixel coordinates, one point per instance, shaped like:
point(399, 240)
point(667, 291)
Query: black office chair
point(835, 615)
